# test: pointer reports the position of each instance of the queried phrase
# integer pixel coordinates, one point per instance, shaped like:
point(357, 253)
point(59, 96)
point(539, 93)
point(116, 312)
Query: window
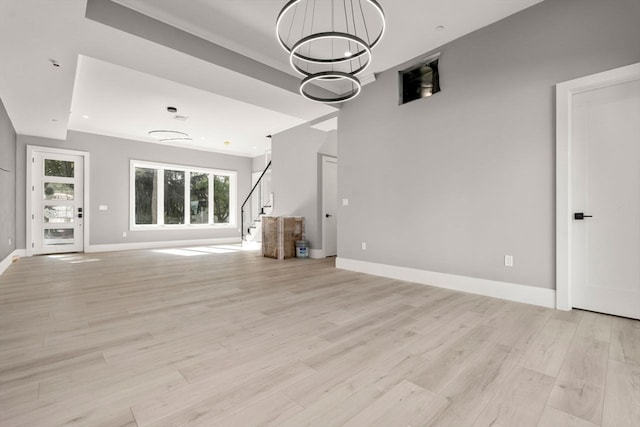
point(171, 196)
point(221, 191)
point(420, 81)
point(146, 196)
point(200, 198)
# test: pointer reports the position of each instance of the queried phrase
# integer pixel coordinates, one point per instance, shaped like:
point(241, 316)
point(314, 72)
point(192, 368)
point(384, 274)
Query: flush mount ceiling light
point(169, 135)
point(329, 42)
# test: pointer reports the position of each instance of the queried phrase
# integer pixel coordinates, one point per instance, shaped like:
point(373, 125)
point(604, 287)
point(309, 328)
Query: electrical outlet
point(364, 246)
point(345, 202)
point(124, 234)
point(508, 260)
point(10, 241)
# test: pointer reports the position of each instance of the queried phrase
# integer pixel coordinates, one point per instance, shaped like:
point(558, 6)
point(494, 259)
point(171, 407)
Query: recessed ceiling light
point(440, 28)
point(169, 135)
point(54, 63)
point(172, 109)
point(54, 120)
point(227, 143)
point(85, 117)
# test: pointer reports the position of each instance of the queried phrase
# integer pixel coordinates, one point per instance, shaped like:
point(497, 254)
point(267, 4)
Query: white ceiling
point(112, 100)
point(124, 82)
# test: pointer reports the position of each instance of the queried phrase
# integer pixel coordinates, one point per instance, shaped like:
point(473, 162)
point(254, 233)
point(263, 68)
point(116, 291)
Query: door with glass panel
point(57, 208)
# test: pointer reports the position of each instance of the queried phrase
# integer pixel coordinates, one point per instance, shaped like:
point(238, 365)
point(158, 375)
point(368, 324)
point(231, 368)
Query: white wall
point(295, 176)
point(258, 163)
point(454, 182)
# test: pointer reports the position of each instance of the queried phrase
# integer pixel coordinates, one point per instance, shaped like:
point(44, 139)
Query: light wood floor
point(148, 338)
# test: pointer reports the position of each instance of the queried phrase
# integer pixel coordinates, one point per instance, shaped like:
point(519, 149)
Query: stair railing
point(249, 197)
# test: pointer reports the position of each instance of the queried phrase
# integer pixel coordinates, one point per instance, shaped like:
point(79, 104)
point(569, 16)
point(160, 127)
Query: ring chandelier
point(329, 43)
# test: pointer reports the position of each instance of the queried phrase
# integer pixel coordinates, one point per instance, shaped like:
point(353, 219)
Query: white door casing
point(598, 173)
point(56, 216)
point(329, 206)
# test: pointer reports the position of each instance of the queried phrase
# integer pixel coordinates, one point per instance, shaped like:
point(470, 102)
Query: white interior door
point(606, 187)
point(329, 206)
point(57, 202)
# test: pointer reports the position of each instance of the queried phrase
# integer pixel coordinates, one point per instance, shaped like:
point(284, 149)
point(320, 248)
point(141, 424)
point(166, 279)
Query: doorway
point(329, 206)
point(56, 216)
point(599, 193)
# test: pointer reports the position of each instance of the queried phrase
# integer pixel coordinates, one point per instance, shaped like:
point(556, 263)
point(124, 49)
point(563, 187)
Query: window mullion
point(233, 201)
point(160, 196)
point(211, 201)
point(187, 197)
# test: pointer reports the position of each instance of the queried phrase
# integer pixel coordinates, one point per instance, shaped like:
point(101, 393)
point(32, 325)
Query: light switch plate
point(508, 260)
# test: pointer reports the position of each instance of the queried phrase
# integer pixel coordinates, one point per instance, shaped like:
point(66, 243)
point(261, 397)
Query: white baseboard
point(162, 244)
point(490, 288)
point(5, 263)
point(316, 253)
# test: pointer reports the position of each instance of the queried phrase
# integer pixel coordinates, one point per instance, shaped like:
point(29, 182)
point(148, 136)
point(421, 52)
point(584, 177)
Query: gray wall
point(109, 184)
point(258, 163)
point(295, 176)
point(454, 182)
point(7, 184)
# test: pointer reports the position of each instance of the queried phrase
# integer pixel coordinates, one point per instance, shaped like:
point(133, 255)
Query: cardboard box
point(279, 235)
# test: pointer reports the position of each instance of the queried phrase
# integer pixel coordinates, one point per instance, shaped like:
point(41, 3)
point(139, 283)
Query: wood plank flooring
point(217, 336)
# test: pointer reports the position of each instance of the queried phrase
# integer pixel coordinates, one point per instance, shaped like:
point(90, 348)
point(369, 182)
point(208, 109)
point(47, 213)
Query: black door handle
point(580, 216)
point(328, 215)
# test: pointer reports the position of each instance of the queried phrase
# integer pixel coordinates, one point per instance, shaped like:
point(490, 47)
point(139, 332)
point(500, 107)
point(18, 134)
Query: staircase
point(258, 203)
point(254, 231)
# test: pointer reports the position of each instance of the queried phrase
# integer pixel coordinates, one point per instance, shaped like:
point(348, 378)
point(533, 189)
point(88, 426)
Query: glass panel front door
point(57, 202)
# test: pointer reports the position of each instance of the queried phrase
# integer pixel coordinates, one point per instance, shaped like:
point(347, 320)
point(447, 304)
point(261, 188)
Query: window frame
point(428, 60)
point(188, 170)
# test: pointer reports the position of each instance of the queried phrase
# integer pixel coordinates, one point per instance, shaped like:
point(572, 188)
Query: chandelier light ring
point(329, 35)
point(330, 41)
point(287, 7)
point(331, 75)
point(306, 73)
point(383, 19)
point(292, 3)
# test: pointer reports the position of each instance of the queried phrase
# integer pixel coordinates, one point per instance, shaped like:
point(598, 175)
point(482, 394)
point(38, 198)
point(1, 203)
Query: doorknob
point(328, 215)
point(581, 216)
